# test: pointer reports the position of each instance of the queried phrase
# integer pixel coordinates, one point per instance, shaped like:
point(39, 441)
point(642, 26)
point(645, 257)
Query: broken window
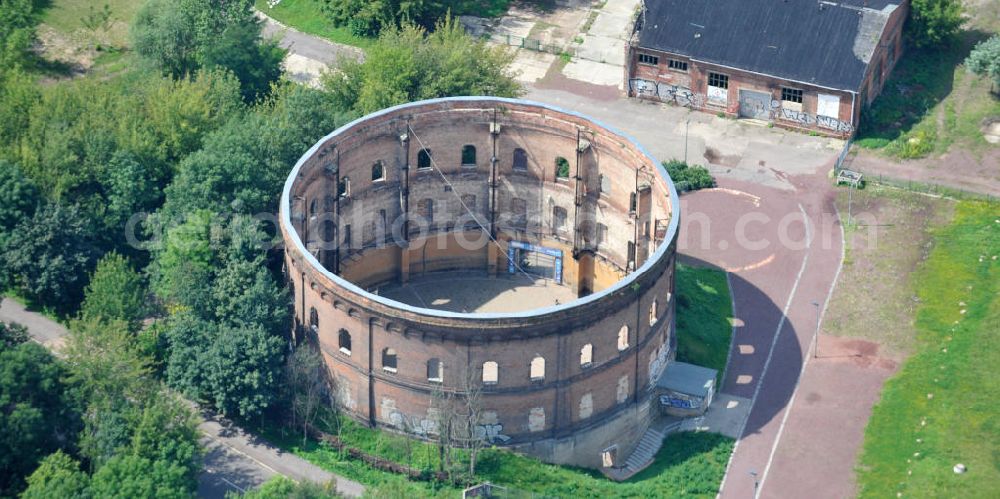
point(468, 155)
point(586, 355)
point(424, 159)
point(344, 340)
point(344, 187)
point(633, 203)
point(378, 171)
point(623, 337)
point(653, 317)
point(435, 370)
point(562, 167)
point(313, 319)
point(538, 368)
point(791, 95)
point(520, 160)
point(389, 360)
point(652, 60)
point(491, 373)
point(677, 65)
point(347, 236)
point(718, 80)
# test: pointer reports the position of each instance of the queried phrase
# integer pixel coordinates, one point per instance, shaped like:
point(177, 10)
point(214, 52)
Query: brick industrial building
point(488, 190)
point(796, 63)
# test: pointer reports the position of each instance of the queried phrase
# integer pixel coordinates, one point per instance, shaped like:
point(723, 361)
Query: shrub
point(688, 177)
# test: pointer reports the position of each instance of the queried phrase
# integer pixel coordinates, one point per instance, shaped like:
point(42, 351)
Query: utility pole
point(756, 483)
point(687, 124)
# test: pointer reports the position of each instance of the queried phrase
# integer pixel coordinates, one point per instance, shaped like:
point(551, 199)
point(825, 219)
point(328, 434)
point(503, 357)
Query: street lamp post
point(756, 483)
point(816, 332)
point(687, 124)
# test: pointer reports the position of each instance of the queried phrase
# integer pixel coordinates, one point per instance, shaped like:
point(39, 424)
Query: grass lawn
point(688, 464)
point(68, 16)
point(889, 236)
point(307, 16)
point(941, 408)
point(704, 317)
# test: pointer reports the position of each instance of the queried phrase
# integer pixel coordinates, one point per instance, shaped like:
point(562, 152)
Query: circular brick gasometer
point(501, 248)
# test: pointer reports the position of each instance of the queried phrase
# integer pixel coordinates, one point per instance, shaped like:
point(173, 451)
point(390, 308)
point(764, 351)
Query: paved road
point(234, 460)
point(305, 45)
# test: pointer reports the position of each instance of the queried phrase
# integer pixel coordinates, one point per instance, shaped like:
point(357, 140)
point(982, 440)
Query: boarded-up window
point(828, 105)
point(491, 373)
point(520, 160)
point(602, 233)
point(538, 368)
point(425, 209)
point(519, 212)
point(559, 216)
point(586, 405)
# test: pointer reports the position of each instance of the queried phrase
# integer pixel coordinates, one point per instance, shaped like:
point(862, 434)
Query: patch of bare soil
point(67, 50)
point(889, 236)
point(714, 157)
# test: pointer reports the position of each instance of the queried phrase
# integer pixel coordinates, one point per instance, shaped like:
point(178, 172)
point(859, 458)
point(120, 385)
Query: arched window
point(538, 368)
point(520, 160)
point(623, 338)
point(344, 187)
point(586, 355)
point(344, 340)
point(652, 313)
point(468, 155)
point(491, 373)
point(562, 167)
point(378, 171)
point(424, 159)
point(312, 208)
point(435, 370)
point(313, 319)
point(389, 360)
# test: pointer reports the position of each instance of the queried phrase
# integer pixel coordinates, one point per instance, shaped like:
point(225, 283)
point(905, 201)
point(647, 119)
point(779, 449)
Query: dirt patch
point(71, 51)
point(713, 156)
point(874, 302)
point(991, 131)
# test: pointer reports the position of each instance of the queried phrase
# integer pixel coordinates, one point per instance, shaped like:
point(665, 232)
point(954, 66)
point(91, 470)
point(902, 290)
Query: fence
point(532, 44)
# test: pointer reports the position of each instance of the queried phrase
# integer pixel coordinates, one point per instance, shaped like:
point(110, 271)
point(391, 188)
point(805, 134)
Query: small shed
point(686, 390)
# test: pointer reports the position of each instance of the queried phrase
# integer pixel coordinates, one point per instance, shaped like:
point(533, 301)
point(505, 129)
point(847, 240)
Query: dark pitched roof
point(824, 43)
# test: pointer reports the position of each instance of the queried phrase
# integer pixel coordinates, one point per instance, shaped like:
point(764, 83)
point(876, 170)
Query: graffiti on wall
point(773, 110)
point(426, 426)
point(682, 96)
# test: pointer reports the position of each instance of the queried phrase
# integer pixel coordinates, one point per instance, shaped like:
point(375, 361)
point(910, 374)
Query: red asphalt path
point(774, 284)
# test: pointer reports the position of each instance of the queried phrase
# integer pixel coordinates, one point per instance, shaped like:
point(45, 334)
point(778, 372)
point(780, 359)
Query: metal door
point(755, 105)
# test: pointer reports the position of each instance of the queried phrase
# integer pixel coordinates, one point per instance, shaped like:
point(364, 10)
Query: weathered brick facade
point(651, 74)
point(577, 410)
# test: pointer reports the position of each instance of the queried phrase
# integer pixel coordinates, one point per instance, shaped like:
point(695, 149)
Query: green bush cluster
point(688, 177)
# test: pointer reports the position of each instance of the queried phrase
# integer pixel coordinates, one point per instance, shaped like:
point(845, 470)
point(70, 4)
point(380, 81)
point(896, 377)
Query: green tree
point(167, 431)
point(245, 294)
point(37, 413)
point(18, 197)
point(12, 335)
point(244, 367)
point(49, 256)
point(58, 475)
point(407, 64)
point(182, 36)
point(305, 383)
point(182, 271)
point(934, 22)
point(189, 337)
point(281, 487)
point(17, 33)
point(984, 60)
point(115, 292)
point(132, 477)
